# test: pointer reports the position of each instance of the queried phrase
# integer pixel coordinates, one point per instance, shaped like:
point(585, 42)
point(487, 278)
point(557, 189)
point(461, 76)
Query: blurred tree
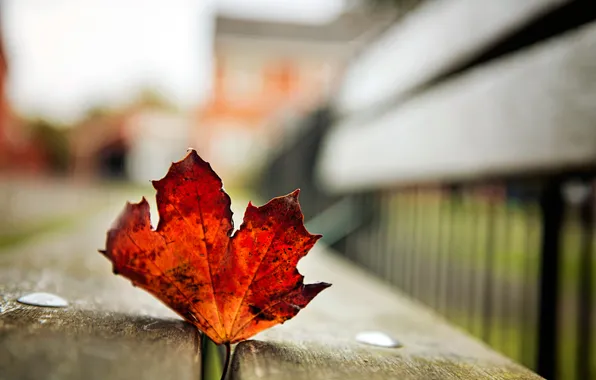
point(51, 137)
point(147, 97)
point(97, 112)
point(151, 97)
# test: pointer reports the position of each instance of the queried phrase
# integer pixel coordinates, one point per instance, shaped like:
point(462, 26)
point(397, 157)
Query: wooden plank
point(428, 42)
point(531, 112)
point(110, 330)
point(319, 343)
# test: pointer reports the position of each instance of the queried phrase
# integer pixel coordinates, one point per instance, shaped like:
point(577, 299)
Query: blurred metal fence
point(511, 260)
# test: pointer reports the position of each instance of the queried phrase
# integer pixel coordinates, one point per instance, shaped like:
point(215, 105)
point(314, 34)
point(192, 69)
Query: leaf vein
point(253, 278)
point(173, 284)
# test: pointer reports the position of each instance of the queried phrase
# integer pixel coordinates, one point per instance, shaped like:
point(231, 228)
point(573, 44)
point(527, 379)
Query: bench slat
point(531, 112)
point(428, 42)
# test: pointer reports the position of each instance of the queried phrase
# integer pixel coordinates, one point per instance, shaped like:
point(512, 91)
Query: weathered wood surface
point(110, 330)
point(319, 343)
point(533, 111)
point(428, 42)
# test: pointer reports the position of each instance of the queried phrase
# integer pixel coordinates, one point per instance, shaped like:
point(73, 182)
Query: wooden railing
point(102, 327)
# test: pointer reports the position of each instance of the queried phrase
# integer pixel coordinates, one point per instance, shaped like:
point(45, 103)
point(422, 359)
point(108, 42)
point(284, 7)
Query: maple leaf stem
point(227, 361)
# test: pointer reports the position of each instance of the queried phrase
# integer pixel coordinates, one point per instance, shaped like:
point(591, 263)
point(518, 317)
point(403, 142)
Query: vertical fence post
point(487, 307)
point(409, 242)
point(445, 248)
point(530, 298)
point(584, 314)
point(551, 204)
point(455, 199)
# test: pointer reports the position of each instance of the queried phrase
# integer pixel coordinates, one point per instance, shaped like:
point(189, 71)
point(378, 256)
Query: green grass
point(24, 232)
point(21, 234)
point(512, 256)
point(15, 234)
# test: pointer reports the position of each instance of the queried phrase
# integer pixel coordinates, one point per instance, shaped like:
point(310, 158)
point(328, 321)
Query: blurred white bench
point(532, 110)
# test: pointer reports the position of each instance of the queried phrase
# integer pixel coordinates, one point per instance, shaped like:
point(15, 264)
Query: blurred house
point(262, 70)
point(19, 152)
point(99, 145)
point(158, 137)
point(136, 143)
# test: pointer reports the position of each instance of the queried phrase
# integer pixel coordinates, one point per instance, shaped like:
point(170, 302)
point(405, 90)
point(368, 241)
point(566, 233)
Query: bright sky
point(66, 56)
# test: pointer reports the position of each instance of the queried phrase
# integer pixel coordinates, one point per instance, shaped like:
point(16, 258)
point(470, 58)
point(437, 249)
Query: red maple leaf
point(229, 286)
